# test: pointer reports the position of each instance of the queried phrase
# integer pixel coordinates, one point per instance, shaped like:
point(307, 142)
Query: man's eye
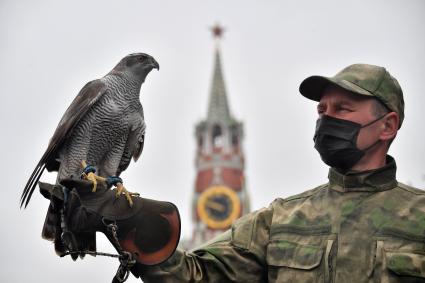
point(343, 109)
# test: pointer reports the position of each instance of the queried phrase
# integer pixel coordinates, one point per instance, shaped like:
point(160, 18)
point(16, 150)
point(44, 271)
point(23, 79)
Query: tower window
point(235, 139)
point(217, 136)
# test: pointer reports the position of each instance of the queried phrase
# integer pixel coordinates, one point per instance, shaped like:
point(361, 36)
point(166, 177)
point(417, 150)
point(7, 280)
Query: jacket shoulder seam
point(410, 189)
point(306, 194)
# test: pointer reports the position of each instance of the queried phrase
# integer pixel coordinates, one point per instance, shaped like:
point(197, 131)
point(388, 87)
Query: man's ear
point(390, 126)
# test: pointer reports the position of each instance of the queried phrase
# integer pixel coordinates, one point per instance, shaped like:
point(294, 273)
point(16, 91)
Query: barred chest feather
point(101, 136)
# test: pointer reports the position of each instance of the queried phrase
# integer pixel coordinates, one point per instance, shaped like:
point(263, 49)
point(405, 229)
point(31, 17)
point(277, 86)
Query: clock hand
point(215, 205)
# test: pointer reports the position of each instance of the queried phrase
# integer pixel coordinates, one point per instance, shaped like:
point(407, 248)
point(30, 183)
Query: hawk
point(104, 127)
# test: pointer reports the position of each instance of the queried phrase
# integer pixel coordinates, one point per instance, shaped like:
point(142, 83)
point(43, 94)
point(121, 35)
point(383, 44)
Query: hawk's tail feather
point(32, 182)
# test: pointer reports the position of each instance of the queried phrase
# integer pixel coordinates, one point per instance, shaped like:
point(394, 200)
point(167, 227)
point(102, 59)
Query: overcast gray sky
point(50, 49)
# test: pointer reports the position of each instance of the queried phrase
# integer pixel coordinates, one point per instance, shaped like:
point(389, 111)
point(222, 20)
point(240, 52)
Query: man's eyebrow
point(339, 103)
point(345, 102)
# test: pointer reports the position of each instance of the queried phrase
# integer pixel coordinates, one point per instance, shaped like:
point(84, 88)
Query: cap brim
point(313, 87)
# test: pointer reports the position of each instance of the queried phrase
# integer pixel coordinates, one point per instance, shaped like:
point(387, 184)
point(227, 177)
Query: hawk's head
point(136, 64)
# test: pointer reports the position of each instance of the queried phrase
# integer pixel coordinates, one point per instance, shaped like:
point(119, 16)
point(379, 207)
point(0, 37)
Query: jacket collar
point(376, 180)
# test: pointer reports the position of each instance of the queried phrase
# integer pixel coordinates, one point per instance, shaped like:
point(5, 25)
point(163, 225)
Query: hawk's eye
point(141, 59)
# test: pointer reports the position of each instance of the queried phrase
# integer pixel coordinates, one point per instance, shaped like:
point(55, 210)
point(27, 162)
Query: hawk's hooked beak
point(154, 64)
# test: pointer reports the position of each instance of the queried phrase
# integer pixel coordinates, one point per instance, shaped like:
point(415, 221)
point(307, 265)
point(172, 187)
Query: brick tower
point(220, 195)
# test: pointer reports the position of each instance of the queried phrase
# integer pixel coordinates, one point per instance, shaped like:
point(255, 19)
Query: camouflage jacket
point(359, 227)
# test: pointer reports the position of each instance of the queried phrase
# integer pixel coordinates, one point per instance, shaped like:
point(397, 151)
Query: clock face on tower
point(218, 207)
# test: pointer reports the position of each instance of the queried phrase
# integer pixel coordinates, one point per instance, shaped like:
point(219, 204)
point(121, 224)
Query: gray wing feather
point(81, 104)
point(134, 145)
point(139, 148)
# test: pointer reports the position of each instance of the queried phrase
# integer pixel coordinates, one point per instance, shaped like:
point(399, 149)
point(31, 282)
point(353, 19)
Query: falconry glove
point(150, 230)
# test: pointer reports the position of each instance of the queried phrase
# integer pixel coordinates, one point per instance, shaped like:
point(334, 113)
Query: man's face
point(341, 104)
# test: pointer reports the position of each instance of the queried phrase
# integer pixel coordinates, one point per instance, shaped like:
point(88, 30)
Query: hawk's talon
point(88, 174)
point(119, 190)
point(122, 190)
point(92, 177)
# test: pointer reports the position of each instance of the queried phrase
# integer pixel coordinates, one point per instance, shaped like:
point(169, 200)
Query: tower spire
point(218, 108)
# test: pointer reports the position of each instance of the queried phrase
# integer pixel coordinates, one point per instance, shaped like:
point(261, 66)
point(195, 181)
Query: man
point(362, 226)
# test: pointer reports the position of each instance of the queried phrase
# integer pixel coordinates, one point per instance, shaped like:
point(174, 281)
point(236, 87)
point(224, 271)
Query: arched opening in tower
point(235, 139)
point(200, 141)
point(217, 136)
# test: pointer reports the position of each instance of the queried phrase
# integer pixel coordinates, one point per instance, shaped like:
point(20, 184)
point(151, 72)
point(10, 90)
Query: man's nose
point(329, 112)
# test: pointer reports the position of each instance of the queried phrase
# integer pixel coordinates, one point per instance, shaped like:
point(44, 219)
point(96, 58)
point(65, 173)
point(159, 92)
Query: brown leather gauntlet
point(150, 229)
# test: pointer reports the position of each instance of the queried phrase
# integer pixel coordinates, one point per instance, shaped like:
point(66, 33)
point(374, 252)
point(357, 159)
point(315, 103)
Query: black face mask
point(336, 141)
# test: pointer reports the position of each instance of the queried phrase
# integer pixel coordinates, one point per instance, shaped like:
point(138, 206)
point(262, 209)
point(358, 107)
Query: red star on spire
point(217, 31)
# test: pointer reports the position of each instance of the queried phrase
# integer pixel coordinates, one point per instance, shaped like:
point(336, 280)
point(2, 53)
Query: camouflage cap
point(363, 79)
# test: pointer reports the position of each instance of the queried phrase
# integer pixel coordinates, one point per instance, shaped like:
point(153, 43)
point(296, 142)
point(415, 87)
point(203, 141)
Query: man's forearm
point(218, 261)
